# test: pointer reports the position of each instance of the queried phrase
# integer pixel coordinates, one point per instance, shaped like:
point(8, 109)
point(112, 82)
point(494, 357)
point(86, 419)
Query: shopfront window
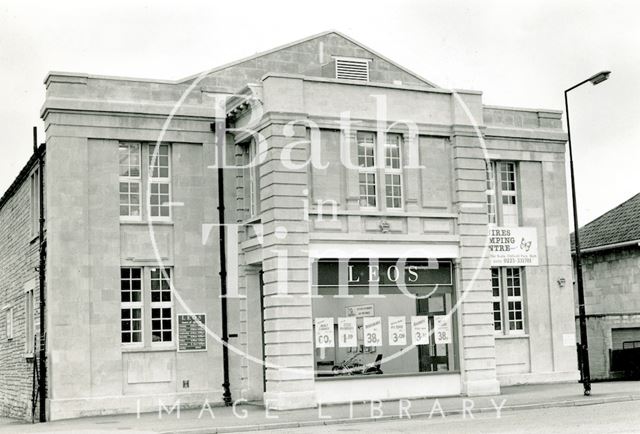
point(383, 316)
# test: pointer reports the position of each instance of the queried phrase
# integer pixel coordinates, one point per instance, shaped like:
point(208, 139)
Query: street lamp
point(585, 374)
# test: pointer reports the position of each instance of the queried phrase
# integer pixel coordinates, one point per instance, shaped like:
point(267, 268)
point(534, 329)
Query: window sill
point(29, 357)
point(512, 336)
point(146, 223)
point(148, 349)
point(370, 376)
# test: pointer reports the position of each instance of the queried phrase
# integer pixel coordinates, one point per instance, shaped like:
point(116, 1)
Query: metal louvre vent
point(352, 69)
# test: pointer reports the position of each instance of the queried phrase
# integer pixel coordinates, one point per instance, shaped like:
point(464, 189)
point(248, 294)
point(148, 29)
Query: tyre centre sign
point(514, 246)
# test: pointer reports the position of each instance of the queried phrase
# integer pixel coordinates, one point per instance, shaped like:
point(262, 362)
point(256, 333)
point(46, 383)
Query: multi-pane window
point(508, 300)
point(130, 180)
point(497, 299)
point(514, 299)
point(161, 305)
point(393, 171)
point(146, 306)
point(159, 182)
point(131, 305)
point(502, 193)
point(491, 194)
point(508, 193)
point(367, 168)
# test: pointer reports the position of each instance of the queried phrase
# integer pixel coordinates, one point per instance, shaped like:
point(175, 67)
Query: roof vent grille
point(352, 69)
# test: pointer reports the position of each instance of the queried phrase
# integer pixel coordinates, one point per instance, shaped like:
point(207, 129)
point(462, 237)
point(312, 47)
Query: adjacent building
point(610, 247)
point(20, 240)
point(384, 237)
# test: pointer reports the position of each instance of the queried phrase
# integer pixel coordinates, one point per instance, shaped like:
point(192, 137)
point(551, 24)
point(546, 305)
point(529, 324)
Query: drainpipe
point(218, 128)
point(42, 386)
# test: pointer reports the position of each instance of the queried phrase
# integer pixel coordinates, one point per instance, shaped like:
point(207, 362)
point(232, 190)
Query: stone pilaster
point(478, 358)
point(288, 326)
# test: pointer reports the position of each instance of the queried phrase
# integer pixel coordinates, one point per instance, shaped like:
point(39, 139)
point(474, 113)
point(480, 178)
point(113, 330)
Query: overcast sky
point(522, 53)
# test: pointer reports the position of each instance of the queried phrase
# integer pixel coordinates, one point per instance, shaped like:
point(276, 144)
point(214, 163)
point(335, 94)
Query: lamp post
point(585, 374)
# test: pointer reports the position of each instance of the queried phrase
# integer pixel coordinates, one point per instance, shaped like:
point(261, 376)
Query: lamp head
point(599, 77)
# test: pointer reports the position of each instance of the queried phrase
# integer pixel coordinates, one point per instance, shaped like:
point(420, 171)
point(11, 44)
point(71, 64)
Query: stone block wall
point(19, 257)
point(312, 58)
point(612, 301)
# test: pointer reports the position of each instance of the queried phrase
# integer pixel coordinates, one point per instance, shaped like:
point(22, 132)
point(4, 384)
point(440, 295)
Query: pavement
point(247, 417)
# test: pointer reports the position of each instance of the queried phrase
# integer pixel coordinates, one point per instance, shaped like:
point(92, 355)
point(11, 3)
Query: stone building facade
point(610, 248)
point(19, 292)
point(411, 181)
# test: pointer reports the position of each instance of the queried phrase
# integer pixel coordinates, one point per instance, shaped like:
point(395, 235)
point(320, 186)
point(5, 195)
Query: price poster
point(372, 331)
point(347, 329)
point(397, 330)
point(420, 330)
point(441, 329)
point(324, 333)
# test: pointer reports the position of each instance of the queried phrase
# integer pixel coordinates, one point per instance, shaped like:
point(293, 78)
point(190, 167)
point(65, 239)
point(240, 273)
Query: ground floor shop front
point(383, 327)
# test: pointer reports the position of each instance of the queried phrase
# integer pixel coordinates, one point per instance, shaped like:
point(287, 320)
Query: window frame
point(29, 321)
point(367, 170)
point(131, 306)
point(34, 181)
point(159, 181)
point(393, 171)
point(165, 273)
point(146, 306)
point(130, 180)
point(496, 194)
point(504, 298)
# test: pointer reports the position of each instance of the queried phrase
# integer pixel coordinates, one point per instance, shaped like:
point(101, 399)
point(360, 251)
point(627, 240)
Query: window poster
point(419, 330)
point(347, 332)
point(442, 329)
point(372, 331)
point(397, 330)
point(324, 332)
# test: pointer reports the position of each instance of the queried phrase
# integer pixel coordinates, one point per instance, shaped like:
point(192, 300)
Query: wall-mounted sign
point(513, 246)
point(347, 332)
point(441, 329)
point(387, 274)
point(191, 335)
point(419, 330)
point(324, 332)
point(372, 328)
point(360, 311)
point(397, 330)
